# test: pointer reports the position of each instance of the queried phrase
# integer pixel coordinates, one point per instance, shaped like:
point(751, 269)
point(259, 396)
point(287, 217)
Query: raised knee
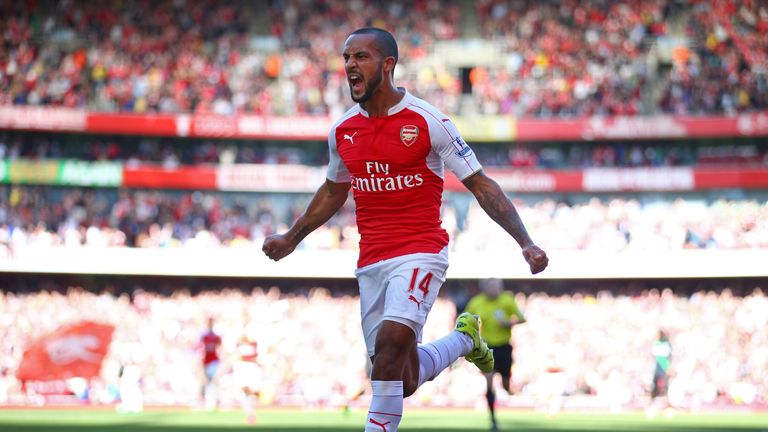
point(394, 344)
point(386, 357)
point(387, 366)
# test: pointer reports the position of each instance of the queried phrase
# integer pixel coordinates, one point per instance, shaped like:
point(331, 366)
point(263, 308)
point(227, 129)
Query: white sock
point(386, 406)
point(210, 396)
point(247, 403)
point(435, 356)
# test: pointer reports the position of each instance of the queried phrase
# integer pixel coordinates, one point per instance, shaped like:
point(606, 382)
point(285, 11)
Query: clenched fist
point(278, 246)
point(536, 258)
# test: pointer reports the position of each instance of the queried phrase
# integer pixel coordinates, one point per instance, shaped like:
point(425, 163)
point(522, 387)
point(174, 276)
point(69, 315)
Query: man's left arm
point(498, 206)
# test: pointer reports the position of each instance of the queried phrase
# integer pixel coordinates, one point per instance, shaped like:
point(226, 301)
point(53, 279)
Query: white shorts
point(247, 375)
point(401, 289)
point(211, 369)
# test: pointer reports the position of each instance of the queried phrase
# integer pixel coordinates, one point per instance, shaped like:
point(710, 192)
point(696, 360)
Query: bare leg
point(392, 376)
point(396, 358)
point(397, 363)
point(490, 397)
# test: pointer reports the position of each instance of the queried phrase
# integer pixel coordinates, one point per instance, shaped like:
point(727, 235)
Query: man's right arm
point(327, 201)
point(516, 315)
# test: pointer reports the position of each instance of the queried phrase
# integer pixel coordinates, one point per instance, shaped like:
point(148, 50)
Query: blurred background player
point(662, 354)
point(131, 395)
point(247, 375)
point(364, 387)
point(4, 384)
point(210, 342)
point(498, 313)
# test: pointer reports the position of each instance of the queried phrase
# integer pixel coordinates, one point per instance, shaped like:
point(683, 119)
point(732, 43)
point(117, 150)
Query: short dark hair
point(385, 42)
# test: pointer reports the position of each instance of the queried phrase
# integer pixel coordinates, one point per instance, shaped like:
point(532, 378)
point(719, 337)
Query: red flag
point(75, 350)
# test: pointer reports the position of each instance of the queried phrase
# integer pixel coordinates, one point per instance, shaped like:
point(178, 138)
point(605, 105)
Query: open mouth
point(356, 82)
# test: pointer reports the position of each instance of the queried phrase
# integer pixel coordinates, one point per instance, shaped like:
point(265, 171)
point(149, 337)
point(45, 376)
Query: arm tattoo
point(326, 202)
point(493, 200)
point(302, 233)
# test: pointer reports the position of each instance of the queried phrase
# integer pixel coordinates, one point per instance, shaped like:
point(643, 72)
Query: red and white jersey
point(247, 350)
point(396, 166)
point(210, 342)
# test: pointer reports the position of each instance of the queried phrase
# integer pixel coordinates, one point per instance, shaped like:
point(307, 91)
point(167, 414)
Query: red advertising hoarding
point(641, 127)
point(157, 177)
point(245, 126)
point(44, 119)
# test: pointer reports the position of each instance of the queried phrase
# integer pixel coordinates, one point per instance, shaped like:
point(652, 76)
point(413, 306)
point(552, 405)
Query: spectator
point(718, 358)
point(54, 217)
point(559, 59)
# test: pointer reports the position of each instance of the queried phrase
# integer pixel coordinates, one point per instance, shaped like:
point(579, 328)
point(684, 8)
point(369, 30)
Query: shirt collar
point(394, 109)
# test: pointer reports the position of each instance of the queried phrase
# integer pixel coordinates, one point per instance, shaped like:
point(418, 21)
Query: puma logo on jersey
point(383, 426)
point(418, 303)
point(351, 138)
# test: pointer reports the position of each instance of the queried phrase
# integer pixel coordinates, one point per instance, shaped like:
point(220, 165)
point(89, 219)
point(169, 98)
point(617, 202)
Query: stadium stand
point(40, 216)
point(159, 139)
point(718, 361)
point(586, 59)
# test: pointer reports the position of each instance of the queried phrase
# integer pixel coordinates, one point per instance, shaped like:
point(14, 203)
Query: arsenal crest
point(408, 134)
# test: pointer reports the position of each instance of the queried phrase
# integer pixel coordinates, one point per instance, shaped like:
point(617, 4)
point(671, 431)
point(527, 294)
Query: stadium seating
point(719, 342)
point(558, 59)
point(56, 217)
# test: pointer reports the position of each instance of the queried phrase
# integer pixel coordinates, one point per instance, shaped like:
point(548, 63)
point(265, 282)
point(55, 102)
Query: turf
point(326, 421)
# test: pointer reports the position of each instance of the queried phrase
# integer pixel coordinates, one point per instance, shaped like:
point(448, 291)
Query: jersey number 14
point(423, 285)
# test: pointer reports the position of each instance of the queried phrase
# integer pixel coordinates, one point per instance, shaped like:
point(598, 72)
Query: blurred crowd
point(576, 58)
point(556, 59)
point(725, 69)
point(598, 346)
point(70, 217)
point(570, 58)
point(601, 344)
point(626, 224)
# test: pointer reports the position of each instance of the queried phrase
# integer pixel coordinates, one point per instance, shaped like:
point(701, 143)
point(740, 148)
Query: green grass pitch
point(102, 420)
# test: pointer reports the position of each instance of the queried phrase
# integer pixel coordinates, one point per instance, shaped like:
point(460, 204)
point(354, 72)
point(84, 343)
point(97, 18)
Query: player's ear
point(389, 65)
